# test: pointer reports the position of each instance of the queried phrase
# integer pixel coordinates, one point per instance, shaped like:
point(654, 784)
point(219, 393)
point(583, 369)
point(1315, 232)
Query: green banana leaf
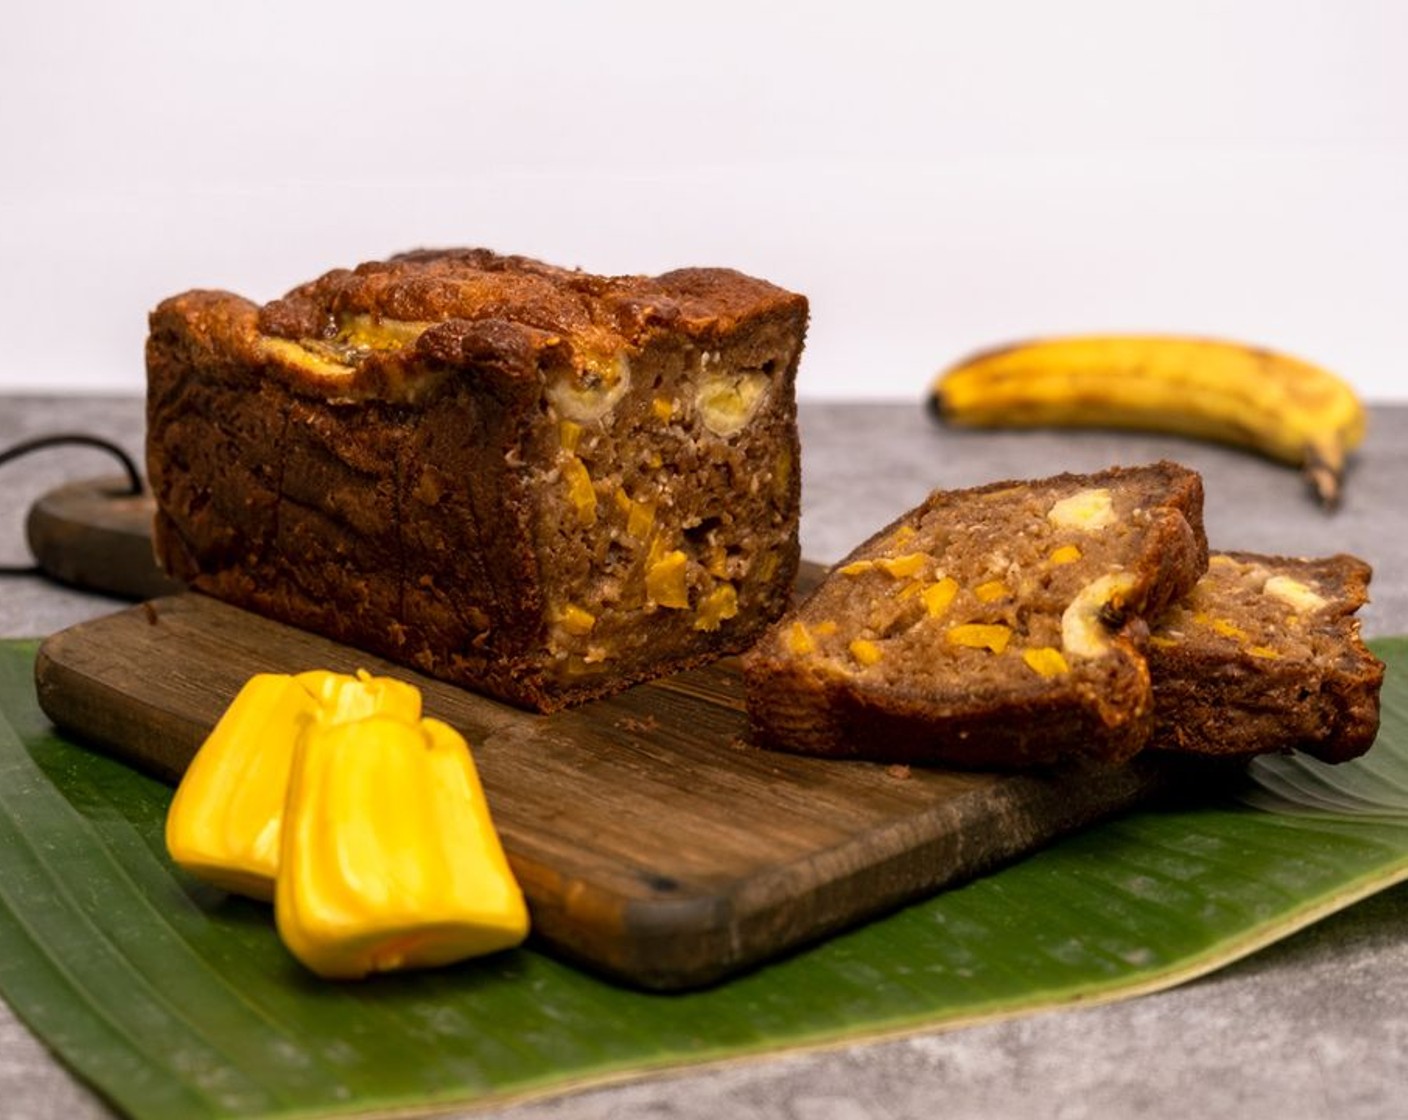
point(174, 1000)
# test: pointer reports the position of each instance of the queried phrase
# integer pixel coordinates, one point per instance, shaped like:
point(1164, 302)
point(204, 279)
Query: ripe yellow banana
point(1278, 405)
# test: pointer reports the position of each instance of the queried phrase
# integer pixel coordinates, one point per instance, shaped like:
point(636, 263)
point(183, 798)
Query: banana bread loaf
point(995, 627)
point(1265, 655)
point(538, 483)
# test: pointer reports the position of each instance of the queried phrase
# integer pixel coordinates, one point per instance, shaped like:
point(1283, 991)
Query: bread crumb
point(638, 726)
point(899, 771)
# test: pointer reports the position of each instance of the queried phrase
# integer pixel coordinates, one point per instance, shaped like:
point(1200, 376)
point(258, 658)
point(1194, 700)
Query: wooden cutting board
point(654, 843)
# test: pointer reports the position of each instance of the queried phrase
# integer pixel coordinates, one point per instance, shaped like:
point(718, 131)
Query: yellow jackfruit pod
point(343, 698)
point(224, 822)
point(389, 857)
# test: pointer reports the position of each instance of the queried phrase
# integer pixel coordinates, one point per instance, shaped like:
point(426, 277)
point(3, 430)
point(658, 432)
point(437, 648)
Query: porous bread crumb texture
point(1000, 626)
point(1265, 655)
point(534, 482)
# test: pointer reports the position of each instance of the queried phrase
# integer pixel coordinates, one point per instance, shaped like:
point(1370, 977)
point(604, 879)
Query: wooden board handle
point(97, 535)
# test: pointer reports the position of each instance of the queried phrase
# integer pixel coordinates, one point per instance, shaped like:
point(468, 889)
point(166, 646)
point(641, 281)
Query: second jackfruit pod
point(390, 859)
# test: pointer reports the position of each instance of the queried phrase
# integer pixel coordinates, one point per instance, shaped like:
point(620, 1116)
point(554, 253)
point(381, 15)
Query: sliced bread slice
point(1001, 626)
point(1265, 655)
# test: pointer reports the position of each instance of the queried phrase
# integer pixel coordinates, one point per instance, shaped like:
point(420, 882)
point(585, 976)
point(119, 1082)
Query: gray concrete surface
point(1313, 1027)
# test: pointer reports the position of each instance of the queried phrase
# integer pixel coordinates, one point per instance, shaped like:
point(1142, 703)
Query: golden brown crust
point(465, 311)
point(595, 313)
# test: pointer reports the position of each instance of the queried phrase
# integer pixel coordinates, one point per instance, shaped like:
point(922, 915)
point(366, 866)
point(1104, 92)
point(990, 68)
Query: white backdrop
point(935, 177)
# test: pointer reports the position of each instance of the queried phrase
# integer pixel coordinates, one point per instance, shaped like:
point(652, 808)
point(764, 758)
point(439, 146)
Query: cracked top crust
point(602, 312)
point(391, 328)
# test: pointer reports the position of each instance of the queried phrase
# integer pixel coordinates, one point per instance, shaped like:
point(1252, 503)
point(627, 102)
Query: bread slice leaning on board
point(1028, 623)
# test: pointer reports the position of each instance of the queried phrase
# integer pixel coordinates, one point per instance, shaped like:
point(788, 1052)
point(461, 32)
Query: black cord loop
point(69, 439)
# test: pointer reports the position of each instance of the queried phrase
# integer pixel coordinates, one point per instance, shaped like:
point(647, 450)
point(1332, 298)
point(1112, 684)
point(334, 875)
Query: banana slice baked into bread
point(1265, 655)
point(538, 483)
point(995, 627)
